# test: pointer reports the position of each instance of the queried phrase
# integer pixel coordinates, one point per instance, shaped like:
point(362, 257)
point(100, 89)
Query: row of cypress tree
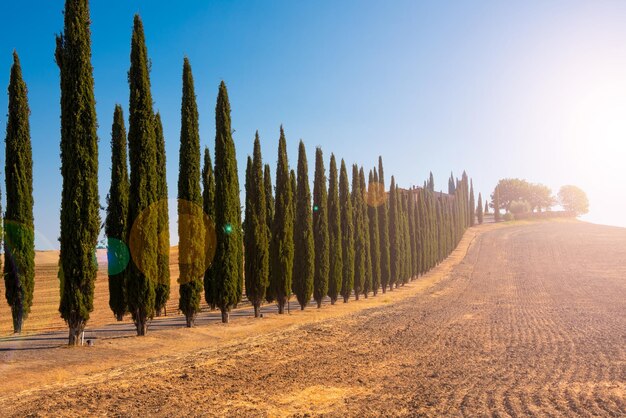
point(347, 237)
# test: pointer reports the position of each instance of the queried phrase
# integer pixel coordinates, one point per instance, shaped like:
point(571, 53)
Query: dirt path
point(531, 321)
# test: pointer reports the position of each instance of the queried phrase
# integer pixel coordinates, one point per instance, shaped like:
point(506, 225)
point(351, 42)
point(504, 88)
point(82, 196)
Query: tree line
point(350, 235)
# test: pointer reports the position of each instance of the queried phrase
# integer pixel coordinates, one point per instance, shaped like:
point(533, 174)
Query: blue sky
point(535, 89)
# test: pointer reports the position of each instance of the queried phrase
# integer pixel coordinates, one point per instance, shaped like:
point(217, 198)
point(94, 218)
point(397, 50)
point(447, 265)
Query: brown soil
point(530, 322)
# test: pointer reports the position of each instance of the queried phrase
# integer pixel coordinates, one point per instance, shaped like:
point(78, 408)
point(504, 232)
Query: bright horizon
point(534, 91)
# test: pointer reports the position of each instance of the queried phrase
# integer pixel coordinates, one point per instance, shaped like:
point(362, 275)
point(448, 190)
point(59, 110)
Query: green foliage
point(359, 238)
point(116, 224)
point(208, 205)
point(269, 217)
point(511, 190)
point(256, 231)
point(162, 289)
point(347, 234)
point(191, 224)
point(519, 206)
point(228, 262)
point(281, 246)
point(365, 231)
point(383, 228)
point(19, 238)
point(304, 254)
point(574, 199)
point(372, 213)
point(472, 205)
point(496, 205)
point(395, 240)
point(80, 204)
point(479, 209)
point(335, 237)
point(320, 230)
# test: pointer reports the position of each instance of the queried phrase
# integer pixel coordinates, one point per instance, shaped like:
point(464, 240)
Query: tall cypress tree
point(496, 205)
point(229, 253)
point(406, 239)
point(116, 226)
point(372, 214)
point(479, 209)
point(19, 243)
point(394, 236)
point(304, 253)
point(143, 219)
point(472, 205)
point(334, 228)
point(80, 204)
point(411, 231)
point(320, 230)
point(416, 235)
point(347, 234)
point(162, 289)
point(431, 182)
point(281, 246)
point(191, 228)
point(486, 206)
point(208, 205)
point(269, 217)
point(359, 239)
point(383, 227)
point(365, 231)
point(256, 232)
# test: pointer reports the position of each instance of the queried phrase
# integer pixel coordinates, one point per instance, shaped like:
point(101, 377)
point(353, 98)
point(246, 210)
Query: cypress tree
point(406, 256)
point(431, 182)
point(372, 214)
point(359, 238)
point(383, 227)
point(334, 227)
point(304, 253)
point(116, 226)
point(320, 230)
point(208, 205)
point(256, 232)
point(365, 230)
point(486, 207)
point(451, 186)
point(394, 236)
point(417, 266)
point(281, 246)
point(162, 289)
point(347, 234)
point(143, 219)
point(19, 243)
point(472, 205)
point(80, 204)
point(228, 260)
point(191, 228)
point(269, 217)
point(479, 209)
point(411, 234)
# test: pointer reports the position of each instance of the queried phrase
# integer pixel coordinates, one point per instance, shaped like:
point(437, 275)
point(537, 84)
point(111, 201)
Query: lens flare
point(118, 256)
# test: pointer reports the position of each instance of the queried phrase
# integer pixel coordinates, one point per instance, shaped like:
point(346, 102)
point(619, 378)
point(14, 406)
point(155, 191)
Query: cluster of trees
point(350, 236)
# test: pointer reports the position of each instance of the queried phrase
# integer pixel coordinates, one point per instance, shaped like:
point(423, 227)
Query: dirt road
point(531, 322)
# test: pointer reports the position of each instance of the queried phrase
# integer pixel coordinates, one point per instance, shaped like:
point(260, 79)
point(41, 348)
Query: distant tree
point(143, 219)
point(383, 228)
point(228, 270)
point(574, 199)
point(431, 182)
point(395, 240)
point(320, 230)
point(519, 206)
point(365, 228)
point(269, 217)
point(208, 205)
point(539, 197)
point(335, 237)
point(479, 209)
point(281, 246)
point(496, 205)
point(451, 185)
point(359, 238)
point(372, 213)
point(486, 207)
point(347, 234)
point(19, 238)
point(256, 232)
point(472, 205)
point(304, 253)
point(191, 227)
point(162, 289)
point(80, 203)
point(116, 224)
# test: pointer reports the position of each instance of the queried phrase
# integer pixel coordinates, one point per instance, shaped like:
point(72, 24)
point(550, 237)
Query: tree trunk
point(365, 294)
point(356, 295)
point(319, 304)
point(225, 315)
point(384, 289)
point(346, 299)
point(76, 328)
point(302, 306)
point(157, 313)
point(281, 306)
point(190, 318)
point(332, 301)
point(256, 310)
point(119, 317)
point(18, 321)
point(141, 323)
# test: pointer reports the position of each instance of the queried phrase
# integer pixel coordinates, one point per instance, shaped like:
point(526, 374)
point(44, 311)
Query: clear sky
point(532, 89)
